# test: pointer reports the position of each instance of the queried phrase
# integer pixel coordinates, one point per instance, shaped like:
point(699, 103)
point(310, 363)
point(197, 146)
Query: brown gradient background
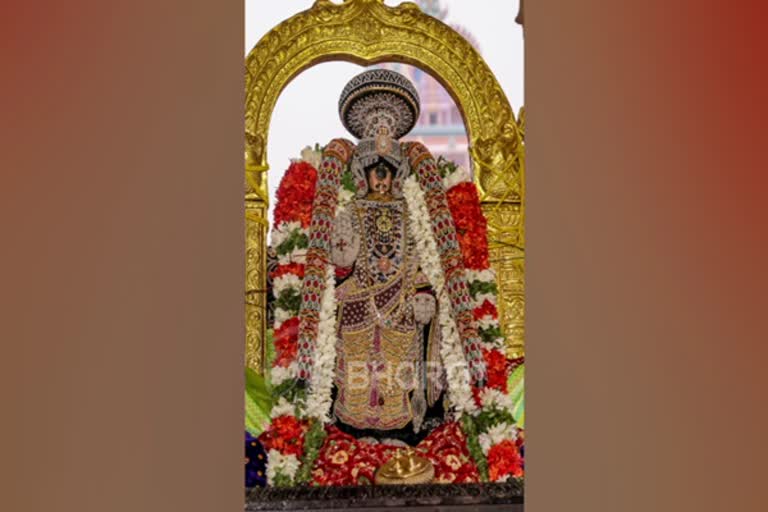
point(122, 264)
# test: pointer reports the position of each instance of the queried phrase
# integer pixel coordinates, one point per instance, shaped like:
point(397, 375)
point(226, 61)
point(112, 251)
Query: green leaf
point(490, 335)
point(348, 181)
point(313, 441)
point(473, 445)
point(258, 402)
point(516, 386)
point(289, 300)
point(480, 287)
point(296, 240)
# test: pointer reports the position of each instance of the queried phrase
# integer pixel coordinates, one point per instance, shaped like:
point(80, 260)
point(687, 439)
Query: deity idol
point(388, 376)
point(380, 340)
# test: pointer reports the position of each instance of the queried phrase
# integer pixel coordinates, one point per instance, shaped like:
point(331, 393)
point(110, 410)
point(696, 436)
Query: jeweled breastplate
point(383, 235)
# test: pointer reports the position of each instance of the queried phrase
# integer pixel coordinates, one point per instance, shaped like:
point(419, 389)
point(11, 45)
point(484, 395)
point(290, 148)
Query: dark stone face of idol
point(380, 179)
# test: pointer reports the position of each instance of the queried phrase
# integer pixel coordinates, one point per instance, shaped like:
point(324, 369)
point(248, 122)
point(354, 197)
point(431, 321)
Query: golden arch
point(368, 32)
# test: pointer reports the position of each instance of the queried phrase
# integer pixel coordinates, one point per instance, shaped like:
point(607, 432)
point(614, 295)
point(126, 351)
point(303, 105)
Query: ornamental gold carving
point(367, 32)
point(255, 282)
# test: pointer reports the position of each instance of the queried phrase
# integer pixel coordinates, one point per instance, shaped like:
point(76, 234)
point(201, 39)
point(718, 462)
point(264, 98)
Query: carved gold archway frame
point(367, 32)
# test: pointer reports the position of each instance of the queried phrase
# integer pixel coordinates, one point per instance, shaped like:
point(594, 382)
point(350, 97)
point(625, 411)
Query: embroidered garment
point(380, 350)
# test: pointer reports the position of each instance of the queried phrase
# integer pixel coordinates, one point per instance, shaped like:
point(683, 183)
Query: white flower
point(487, 322)
point(281, 315)
point(454, 362)
point(493, 398)
point(497, 434)
point(312, 157)
point(484, 276)
point(279, 464)
point(482, 297)
point(283, 231)
point(282, 408)
point(324, 364)
point(285, 282)
point(485, 442)
point(278, 374)
point(460, 175)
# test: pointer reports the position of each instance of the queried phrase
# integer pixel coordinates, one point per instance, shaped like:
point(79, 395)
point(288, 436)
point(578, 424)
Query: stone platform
point(432, 497)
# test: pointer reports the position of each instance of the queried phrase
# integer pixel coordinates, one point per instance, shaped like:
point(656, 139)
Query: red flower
point(497, 369)
point(504, 459)
point(296, 269)
point(485, 309)
point(446, 448)
point(476, 395)
point(286, 435)
point(344, 460)
point(296, 194)
point(471, 225)
point(286, 340)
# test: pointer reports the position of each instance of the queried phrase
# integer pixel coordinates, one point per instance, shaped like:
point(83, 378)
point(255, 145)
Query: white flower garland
point(460, 175)
point(486, 276)
point(312, 157)
point(282, 408)
point(454, 362)
point(497, 434)
point(279, 464)
point(278, 374)
point(490, 399)
point(319, 399)
point(284, 282)
point(493, 398)
point(283, 231)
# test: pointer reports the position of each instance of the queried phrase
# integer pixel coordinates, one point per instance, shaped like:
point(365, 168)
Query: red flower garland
point(296, 269)
point(296, 194)
point(286, 339)
point(485, 309)
point(497, 366)
point(471, 225)
point(504, 459)
point(286, 435)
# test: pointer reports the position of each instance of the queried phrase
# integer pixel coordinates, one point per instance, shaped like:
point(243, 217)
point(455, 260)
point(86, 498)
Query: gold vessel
point(405, 468)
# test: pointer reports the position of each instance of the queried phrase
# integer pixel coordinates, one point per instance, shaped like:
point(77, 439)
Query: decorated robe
point(386, 332)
